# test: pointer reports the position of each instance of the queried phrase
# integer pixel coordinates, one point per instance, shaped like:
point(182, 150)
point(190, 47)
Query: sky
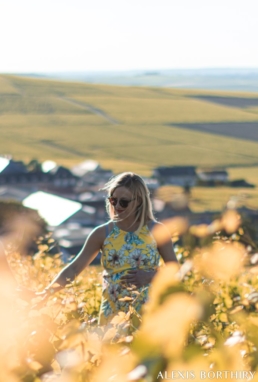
point(120, 35)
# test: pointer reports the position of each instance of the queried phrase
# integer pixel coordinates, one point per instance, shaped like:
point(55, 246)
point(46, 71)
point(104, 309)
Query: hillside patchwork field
point(128, 128)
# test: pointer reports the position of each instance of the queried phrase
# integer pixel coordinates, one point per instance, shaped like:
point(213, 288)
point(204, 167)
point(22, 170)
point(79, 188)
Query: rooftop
point(175, 170)
point(53, 209)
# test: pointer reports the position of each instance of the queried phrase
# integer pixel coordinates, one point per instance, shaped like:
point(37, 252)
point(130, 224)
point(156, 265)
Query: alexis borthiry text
point(202, 374)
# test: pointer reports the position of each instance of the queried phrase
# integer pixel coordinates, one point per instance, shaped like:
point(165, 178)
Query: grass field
point(124, 128)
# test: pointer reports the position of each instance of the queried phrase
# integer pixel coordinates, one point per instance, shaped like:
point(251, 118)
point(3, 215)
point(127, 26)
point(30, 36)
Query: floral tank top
point(123, 251)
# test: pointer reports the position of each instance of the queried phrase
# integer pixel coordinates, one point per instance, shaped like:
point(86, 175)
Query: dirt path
point(60, 147)
point(92, 109)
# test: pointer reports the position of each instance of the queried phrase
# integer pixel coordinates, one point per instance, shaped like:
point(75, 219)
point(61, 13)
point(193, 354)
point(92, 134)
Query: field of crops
point(137, 126)
point(130, 128)
point(200, 321)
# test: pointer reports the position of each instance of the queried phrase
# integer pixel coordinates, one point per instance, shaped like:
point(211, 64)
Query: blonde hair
point(140, 193)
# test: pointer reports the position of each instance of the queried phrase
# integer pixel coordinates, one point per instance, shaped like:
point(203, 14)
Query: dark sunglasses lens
point(124, 203)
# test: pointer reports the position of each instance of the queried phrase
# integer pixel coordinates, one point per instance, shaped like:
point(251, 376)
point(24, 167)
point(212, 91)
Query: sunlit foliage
point(201, 316)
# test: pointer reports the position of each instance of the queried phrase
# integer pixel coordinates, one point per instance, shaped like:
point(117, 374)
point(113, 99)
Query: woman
point(130, 252)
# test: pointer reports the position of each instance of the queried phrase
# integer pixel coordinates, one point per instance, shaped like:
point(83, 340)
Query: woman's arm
point(164, 243)
point(89, 251)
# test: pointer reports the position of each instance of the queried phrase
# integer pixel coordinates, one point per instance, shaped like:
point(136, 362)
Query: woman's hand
point(41, 302)
point(138, 277)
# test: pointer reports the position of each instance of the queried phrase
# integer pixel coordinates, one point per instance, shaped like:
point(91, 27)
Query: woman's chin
point(119, 213)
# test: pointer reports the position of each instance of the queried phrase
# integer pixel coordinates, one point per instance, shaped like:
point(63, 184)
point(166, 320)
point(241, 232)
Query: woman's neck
point(127, 225)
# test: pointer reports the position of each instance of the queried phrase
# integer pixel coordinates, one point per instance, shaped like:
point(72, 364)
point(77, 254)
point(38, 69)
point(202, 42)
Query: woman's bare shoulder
point(102, 230)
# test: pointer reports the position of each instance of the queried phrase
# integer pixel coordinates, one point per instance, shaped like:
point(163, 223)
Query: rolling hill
point(129, 128)
point(126, 127)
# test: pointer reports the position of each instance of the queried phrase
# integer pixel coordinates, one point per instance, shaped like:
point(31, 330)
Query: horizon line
point(147, 70)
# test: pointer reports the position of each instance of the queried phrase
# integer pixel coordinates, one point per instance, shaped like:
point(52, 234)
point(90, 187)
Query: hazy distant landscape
point(216, 79)
point(132, 128)
point(126, 127)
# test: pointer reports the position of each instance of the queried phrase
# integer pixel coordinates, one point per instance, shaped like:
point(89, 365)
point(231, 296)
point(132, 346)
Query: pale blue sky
point(83, 35)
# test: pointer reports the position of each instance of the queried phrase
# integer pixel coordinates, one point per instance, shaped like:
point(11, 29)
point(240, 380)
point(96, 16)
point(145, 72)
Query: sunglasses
point(122, 202)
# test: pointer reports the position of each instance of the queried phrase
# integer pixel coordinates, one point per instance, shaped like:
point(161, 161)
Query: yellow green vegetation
point(6, 87)
point(201, 317)
point(210, 198)
point(122, 127)
point(164, 109)
point(216, 198)
point(125, 129)
point(249, 173)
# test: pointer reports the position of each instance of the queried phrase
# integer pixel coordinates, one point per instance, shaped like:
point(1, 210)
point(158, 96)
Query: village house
point(56, 210)
point(152, 184)
point(62, 180)
point(212, 177)
point(16, 174)
point(69, 220)
point(13, 193)
point(72, 203)
point(91, 176)
point(184, 176)
point(96, 200)
point(9, 166)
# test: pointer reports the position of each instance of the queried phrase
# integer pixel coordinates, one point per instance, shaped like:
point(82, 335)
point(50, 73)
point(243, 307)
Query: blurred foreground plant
point(201, 315)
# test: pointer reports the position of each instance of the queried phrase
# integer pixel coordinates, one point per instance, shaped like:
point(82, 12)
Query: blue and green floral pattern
point(123, 251)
